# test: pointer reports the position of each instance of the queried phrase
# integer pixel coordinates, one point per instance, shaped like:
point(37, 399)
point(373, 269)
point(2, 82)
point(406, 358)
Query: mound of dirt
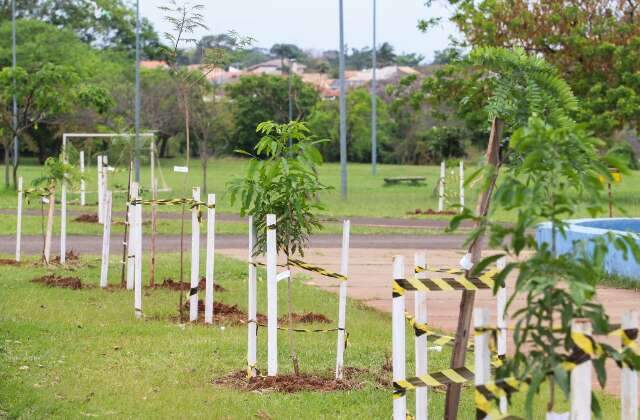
point(70, 257)
point(87, 218)
point(53, 280)
point(171, 284)
point(432, 212)
point(307, 318)
point(224, 314)
point(285, 383)
point(6, 261)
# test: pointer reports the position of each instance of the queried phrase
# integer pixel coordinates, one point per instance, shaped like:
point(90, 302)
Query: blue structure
point(582, 230)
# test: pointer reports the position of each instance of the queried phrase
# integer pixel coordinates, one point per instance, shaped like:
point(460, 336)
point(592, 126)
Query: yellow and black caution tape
point(420, 329)
point(444, 270)
point(487, 394)
point(435, 379)
point(305, 330)
point(484, 281)
point(316, 269)
point(585, 348)
point(172, 202)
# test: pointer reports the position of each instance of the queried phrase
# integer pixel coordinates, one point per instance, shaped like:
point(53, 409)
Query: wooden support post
point(154, 231)
point(137, 258)
point(210, 265)
point(106, 238)
point(195, 257)
point(581, 378)
point(468, 296)
point(342, 304)
point(19, 218)
point(272, 297)
point(63, 221)
point(461, 185)
point(131, 246)
point(481, 345)
point(398, 340)
point(100, 186)
point(252, 326)
point(441, 186)
point(82, 182)
point(629, 397)
point(422, 363)
point(501, 324)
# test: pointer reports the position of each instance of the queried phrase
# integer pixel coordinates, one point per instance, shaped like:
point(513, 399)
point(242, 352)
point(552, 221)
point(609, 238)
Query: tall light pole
point(374, 99)
point(291, 61)
point(343, 110)
point(15, 100)
point(137, 104)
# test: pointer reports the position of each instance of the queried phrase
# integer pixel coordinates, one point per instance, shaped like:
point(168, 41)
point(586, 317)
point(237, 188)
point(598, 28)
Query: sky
point(313, 24)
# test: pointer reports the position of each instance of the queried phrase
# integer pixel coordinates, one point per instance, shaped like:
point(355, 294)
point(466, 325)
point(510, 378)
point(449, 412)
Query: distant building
point(274, 67)
point(153, 64)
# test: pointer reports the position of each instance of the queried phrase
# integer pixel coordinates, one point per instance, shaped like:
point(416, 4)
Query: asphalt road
point(32, 244)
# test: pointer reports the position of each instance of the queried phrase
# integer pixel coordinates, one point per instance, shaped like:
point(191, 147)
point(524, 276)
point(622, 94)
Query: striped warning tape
point(316, 269)
point(440, 378)
point(172, 202)
point(420, 329)
point(487, 394)
point(443, 270)
point(484, 281)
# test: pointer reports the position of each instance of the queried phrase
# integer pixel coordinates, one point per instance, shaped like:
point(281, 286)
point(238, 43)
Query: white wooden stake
point(82, 183)
point(482, 354)
point(63, 222)
point(629, 397)
point(342, 305)
point(19, 219)
point(99, 169)
point(106, 237)
point(272, 297)
point(581, 378)
point(501, 323)
point(420, 260)
point(195, 257)
point(105, 183)
point(211, 238)
point(441, 187)
point(398, 340)
point(461, 185)
point(252, 326)
point(131, 247)
point(137, 258)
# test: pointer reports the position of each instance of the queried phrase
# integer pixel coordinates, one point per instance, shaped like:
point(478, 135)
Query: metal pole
point(290, 100)
point(15, 100)
point(374, 99)
point(343, 110)
point(137, 104)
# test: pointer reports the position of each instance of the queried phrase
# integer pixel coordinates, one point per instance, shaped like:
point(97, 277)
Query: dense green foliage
point(265, 98)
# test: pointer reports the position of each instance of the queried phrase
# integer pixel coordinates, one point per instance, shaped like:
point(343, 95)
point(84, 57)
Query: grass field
point(367, 195)
point(80, 353)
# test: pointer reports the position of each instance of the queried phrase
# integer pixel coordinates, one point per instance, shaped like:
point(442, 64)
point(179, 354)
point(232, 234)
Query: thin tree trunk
point(292, 348)
point(204, 156)
point(186, 127)
point(181, 263)
point(49, 234)
point(7, 159)
point(468, 296)
point(154, 230)
point(15, 174)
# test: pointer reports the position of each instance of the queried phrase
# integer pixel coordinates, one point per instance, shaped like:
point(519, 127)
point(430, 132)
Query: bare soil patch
point(289, 383)
point(223, 314)
point(54, 280)
point(87, 218)
point(171, 284)
point(71, 257)
point(432, 212)
point(306, 318)
point(6, 261)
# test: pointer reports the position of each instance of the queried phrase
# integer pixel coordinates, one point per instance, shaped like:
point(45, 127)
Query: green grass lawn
point(81, 353)
point(367, 195)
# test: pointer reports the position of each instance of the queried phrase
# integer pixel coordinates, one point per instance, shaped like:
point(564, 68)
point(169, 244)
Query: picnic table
point(413, 180)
